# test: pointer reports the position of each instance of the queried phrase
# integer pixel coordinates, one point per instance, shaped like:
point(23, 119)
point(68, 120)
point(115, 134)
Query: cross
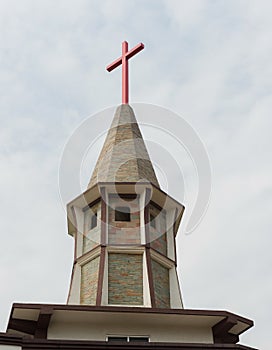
point(123, 60)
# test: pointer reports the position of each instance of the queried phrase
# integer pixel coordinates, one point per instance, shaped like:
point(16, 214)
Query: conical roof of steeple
point(124, 157)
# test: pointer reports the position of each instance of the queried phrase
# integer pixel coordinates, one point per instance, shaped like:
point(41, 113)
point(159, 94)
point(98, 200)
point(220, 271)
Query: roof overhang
point(91, 195)
point(34, 319)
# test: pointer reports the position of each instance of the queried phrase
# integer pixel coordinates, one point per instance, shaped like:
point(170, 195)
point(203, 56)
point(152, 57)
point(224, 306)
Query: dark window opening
point(152, 221)
point(132, 339)
point(122, 214)
point(139, 339)
point(128, 197)
point(93, 221)
point(118, 339)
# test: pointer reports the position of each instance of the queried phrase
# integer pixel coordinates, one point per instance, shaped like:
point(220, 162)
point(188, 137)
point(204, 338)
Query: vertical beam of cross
point(123, 60)
point(124, 72)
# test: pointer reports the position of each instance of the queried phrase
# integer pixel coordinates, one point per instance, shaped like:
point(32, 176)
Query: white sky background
point(207, 60)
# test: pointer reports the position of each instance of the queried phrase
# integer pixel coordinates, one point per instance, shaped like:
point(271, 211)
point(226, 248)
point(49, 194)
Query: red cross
point(126, 55)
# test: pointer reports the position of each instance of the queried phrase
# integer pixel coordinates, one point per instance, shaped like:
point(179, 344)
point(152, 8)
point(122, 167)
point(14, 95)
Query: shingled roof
point(124, 157)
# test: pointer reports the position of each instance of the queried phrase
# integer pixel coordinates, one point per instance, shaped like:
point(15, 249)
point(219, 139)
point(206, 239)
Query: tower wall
point(125, 252)
point(92, 235)
point(124, 232)
point(89, 281)
point(125, 279)
point(161, 284)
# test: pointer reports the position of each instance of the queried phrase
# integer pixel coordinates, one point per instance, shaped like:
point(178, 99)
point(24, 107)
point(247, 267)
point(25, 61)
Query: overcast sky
point(209, 61)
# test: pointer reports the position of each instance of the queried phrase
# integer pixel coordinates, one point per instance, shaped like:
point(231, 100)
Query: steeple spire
point(124, 157)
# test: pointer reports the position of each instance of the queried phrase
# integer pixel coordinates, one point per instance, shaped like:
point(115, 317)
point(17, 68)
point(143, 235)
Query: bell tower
point(124, 227)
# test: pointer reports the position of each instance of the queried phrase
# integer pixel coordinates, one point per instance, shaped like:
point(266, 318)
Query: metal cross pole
point(126, 55)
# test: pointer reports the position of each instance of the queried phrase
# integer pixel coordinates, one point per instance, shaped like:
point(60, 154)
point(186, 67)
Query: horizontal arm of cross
point(135, 50)
point(114, 64)
point(128, 55)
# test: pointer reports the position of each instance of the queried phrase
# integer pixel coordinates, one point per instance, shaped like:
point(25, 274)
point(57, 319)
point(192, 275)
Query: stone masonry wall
point(89, 280)
point(161, 284)
point(91, 237)
point(124, 232)
point(125, 279)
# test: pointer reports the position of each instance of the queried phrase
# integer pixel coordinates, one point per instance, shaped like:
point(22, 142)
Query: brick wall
point(89, 279)
point(91, 238)
point(125, 279)
point(161, 284)
point(124, 232)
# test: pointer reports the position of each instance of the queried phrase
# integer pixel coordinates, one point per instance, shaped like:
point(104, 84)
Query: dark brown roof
point(39, 344)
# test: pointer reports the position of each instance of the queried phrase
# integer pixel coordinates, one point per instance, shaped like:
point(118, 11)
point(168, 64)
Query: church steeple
point(124, 225)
